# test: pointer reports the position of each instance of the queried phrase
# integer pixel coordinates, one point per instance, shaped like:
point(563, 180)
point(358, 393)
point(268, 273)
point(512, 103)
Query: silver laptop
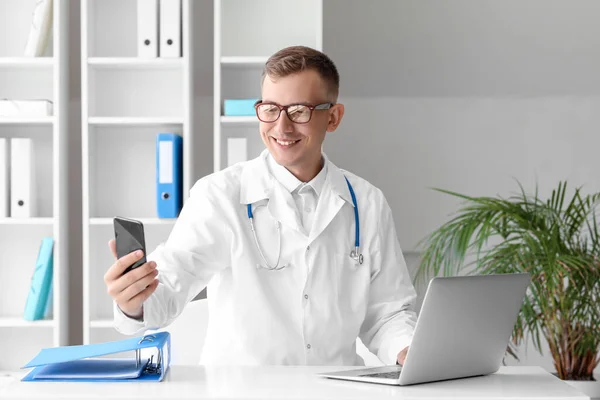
point(462, 331)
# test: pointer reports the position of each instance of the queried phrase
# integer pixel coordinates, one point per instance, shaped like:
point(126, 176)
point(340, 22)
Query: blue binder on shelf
point(169, 175)
point(82, 363)
point(239, 107)
point(41, 282)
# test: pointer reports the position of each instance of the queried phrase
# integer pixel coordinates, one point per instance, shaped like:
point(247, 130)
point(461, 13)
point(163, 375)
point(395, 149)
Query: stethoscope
point(354, 254)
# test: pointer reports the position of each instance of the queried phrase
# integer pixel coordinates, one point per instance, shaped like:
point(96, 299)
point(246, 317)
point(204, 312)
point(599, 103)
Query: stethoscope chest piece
point(356, 256)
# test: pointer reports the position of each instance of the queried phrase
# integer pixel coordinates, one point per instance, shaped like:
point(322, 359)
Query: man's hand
point(402, 356)
point(130, 290)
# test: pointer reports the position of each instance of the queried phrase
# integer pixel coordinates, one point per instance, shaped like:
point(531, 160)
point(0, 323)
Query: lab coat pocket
point(353, 282)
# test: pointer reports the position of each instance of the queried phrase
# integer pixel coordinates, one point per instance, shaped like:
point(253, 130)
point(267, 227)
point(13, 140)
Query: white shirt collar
point(256, 180)
point(290, 182)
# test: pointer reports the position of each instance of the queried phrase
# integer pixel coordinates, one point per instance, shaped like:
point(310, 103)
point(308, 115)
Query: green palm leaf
point(557, 241)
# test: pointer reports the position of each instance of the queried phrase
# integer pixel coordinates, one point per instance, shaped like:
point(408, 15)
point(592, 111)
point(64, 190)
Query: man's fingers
point(112, 245)
point(121, 265)
point(402, 356)
point(137, 287)
point(108, 276)
point(142, 296)
point(124, 281)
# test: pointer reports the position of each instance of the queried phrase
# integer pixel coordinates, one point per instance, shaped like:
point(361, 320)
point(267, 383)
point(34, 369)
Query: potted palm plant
point(558, 242)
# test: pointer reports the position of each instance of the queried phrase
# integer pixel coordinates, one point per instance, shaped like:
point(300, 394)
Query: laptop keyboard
point(384, 375)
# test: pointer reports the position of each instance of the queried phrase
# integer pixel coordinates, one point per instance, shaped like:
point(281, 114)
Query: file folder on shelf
point(147, 28)
point(170, 28)
point(4, 187)
point(82, 363)
point(23, 202)
point(40, 31)
point(41, 282)
point(236, 151)
point(169, 175)
point(239, 107)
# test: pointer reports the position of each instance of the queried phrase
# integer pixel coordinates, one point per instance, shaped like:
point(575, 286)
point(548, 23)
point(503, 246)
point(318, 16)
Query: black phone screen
point(129, 237)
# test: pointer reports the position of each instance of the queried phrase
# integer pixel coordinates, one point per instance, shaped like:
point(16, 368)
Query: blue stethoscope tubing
point(354, 254)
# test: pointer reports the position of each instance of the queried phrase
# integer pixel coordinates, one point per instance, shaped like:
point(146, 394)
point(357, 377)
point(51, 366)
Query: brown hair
point(295, 59)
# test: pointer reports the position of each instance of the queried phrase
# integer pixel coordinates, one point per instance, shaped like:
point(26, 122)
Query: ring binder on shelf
point(169, 175)
point(77, 363)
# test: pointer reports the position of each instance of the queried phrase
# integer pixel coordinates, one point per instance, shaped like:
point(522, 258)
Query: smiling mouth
point(285, 143)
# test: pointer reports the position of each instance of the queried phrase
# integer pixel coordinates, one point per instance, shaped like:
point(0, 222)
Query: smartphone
point(129, 237)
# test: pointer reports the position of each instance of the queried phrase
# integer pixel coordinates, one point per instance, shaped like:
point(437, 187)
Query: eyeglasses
point(298, 113)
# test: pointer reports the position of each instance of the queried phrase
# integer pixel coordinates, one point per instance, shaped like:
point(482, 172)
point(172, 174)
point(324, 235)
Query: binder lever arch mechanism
point(153, 368)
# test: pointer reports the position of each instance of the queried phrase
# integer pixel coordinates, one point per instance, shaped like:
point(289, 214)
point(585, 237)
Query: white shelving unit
point(135, 62)
point(34, 78)
point(145, 221)
point(245, 35)
point(126, 102)
point(27, 221)
point(29, 62)
point(244, 61)
point(24, 121)
point(135, 121)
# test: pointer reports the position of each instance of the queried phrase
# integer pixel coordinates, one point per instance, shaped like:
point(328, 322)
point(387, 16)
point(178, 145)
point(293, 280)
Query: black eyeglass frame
point(322, 106)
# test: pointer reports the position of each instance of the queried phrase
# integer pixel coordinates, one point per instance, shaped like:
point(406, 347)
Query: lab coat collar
point(257, 182)
point(291, 183)
point(337, 180)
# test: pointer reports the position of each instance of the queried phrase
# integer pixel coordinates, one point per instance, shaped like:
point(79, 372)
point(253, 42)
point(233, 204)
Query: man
point(284, 290)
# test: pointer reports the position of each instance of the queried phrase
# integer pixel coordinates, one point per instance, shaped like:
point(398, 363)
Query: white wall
point(437, 48)
point(466, 95)
point(477, 146)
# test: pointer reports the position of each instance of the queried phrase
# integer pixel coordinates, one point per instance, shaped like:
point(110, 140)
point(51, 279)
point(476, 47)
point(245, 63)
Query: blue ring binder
point(81, 363)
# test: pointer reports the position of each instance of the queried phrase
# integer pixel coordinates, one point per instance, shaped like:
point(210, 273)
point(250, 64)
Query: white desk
point(298, 383)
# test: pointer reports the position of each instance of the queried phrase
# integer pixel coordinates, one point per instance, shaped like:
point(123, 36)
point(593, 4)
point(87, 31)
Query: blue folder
point(41, 282)
point(169, 175)
point(239, 107)
point(81, 363)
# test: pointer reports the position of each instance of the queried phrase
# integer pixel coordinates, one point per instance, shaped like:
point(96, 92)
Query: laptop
point(462, 331)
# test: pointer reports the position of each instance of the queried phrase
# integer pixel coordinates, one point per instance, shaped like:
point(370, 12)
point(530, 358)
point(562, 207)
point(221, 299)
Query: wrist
point(138, 316)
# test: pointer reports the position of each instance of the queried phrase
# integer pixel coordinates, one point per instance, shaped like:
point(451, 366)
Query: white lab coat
point(309, 313)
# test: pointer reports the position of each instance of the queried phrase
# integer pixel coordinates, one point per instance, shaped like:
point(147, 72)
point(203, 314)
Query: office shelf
point(35, 78)
point(26, 120)
point(239, 120)
point(26, 221)
point(136, 63)
point(21, 323)
point(243, 61)
point(145, 221)
point(27, 62)
point(133, 121)
point(126, 102)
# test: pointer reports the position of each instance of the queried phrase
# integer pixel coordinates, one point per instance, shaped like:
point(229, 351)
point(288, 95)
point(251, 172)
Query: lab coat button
point(306, 296)
point(308, 346)
point(307, 248)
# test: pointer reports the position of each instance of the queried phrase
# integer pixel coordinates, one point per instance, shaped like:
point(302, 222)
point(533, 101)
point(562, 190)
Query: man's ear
point(335, 117)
